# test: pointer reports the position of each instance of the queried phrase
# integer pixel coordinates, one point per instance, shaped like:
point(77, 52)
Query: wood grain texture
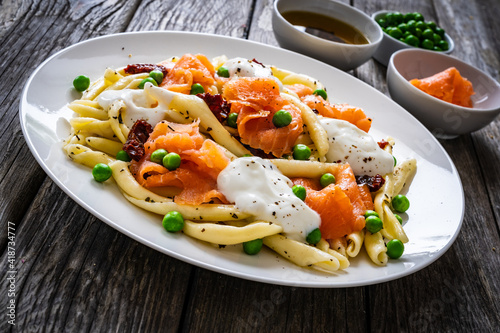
point(48, 30)
point(69, 278)
point(215, 17)
point(77, 274)
point(254, 306)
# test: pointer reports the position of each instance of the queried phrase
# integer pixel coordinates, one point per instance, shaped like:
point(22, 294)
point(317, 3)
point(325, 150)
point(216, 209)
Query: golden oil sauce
point(325, 27)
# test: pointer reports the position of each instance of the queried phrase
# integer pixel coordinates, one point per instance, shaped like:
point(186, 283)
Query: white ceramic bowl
point(443, 119)
point(340, 55)
point(389, 44)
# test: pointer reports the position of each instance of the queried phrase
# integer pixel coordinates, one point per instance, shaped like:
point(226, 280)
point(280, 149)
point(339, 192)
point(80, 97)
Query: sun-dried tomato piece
point(218, 105)
point(145, 68)
point(382, 144)
point(374, 183)
point(138, 135)
point(258, 62)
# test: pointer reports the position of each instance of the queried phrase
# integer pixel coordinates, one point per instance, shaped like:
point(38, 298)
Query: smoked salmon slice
point(256, 100)
point(448, 86)
point(341, 206)
point(188, 70)
point(352, 114)
point(300, 89)
point(201, 162)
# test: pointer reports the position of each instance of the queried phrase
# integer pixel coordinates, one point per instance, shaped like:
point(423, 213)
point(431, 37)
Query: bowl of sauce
point(327, 30)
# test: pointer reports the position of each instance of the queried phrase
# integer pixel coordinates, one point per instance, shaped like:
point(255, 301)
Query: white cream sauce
point(151, 103)
point(241, 67)
point(257, 187)
point(350, 144)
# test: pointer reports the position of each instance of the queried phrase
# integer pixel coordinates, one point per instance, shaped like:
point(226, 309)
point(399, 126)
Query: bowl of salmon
point(449, 96)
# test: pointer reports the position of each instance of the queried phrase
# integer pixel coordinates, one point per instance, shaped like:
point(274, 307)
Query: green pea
point(371, 213)
point(421, 25)
point(400, 203)
point(390, 18)
point(398, 17)
point(320, 92)
point(282, 118)
point(157, 75)
point(173, 221)
point(327, 179)
point(146, 80)
point(197, 89)
point(406, 34)
point(440, 32)
point(172, 161)
point(443, 45)
point(436, 38)
point(101, 172)
point(432, 25)
point(402, 27)
point(81, 82)
point(399, 218)
point(395, 249)
point(411, 26)
point(373, 224)
point(301, 152)
point(418, 17)
point(231, 120)
point(223, 72)
point(123, 156)
point(418, 32)
point(158, 155)
point(408, 17)
point(252, 247)
point(412, 40)
point(314, 236)
point(382, 23)
point(396, 33)
point(427, 44)
point(428, 33)
point(299, 191)
point(437, 48)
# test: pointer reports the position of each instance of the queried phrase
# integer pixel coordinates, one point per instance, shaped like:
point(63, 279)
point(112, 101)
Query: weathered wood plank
point(216, 17)
point(462, 289)
point(480, 47)
point(75, 273)
point(254, 306)
point(68, 274)
point(48, 24)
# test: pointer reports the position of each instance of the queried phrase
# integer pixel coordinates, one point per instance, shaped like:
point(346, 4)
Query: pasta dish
point(233, 151)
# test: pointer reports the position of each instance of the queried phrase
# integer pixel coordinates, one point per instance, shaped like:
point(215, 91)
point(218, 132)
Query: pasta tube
point(90, 109)
point(115, 113)
point(229, 235)
point(376, 249)
point(86, 156)
point(208, 212)
point(302, 254)
point(108, 146)
point(308, 169)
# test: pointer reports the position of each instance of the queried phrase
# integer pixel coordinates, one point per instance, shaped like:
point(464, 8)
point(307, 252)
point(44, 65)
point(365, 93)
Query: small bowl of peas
point(409, 30)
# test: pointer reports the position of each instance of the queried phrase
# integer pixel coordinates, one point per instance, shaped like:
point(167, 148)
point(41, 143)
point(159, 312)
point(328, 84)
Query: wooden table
point(75, 273)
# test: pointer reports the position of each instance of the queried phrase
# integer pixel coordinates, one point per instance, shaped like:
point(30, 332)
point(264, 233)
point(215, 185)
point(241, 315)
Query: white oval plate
point(436, 195)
